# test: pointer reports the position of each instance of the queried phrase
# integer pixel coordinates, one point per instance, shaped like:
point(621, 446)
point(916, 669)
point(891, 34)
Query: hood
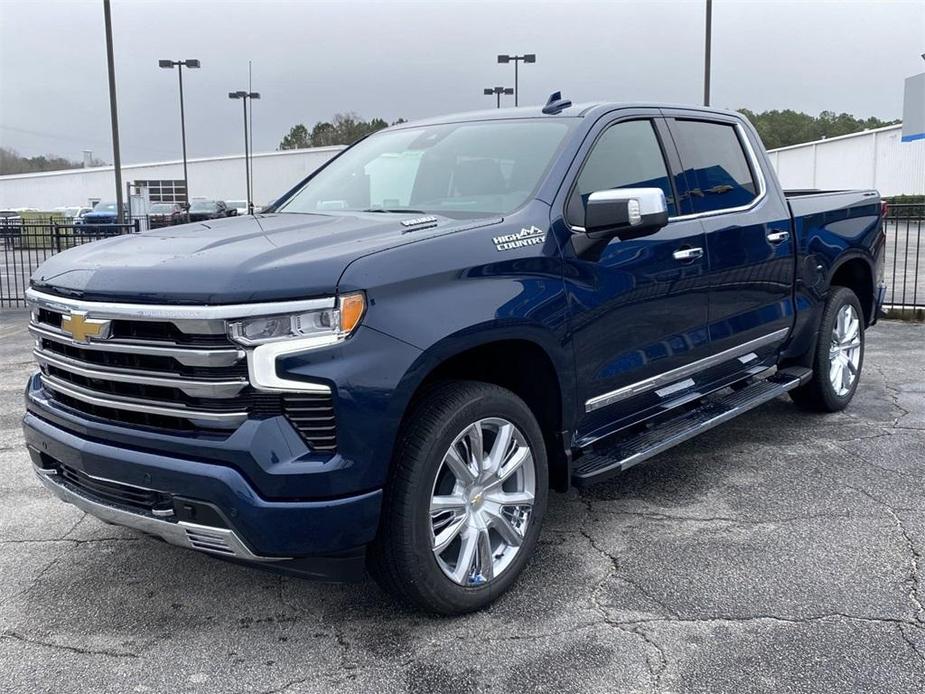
point(231, 260)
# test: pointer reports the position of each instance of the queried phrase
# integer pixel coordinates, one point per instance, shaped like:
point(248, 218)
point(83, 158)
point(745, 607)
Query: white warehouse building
point(217, 178)
point(870, 159)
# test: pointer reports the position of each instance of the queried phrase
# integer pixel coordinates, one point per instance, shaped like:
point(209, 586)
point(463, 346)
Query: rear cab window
point(719, 175)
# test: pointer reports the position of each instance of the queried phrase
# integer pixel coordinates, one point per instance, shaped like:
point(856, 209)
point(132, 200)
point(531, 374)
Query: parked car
point(10, 227)
point(75, 214)
point(164, 214)
point(201, 210)
point(392, 366)
point(240, 206)
point(98, 221)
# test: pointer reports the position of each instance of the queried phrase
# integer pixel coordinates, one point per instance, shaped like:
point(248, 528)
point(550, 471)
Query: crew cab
point(391, 366)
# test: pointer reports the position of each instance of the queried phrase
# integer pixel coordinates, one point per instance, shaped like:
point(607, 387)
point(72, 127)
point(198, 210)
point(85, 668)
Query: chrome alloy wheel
point(482, 501)
point(845, 352)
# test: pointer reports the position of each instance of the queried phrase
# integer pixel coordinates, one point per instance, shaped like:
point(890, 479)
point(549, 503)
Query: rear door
point(639, 308)
point(749, 245)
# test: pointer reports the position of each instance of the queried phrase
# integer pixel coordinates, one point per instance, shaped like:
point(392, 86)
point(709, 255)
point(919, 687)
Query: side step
point(608, 460)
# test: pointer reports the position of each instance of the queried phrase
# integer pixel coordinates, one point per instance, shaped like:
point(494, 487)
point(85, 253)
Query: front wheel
point(465, 499)
point(839, 355)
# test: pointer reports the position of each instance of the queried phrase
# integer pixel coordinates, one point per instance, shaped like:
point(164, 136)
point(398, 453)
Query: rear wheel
point(465, 500)
point(839, 355)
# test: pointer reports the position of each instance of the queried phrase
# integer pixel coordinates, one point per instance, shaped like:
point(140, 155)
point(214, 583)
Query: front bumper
point(322, 539)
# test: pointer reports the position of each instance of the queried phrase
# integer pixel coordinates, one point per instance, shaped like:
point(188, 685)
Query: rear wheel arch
point(856, 273)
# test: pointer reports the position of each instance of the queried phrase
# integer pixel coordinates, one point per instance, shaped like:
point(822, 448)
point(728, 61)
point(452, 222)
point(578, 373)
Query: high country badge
point(525, 237)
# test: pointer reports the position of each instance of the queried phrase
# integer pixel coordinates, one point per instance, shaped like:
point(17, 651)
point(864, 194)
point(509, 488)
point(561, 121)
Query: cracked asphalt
point(782, 552)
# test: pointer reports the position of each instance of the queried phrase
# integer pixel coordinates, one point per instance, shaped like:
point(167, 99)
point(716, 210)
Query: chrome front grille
point(198, 381)
point(166, 368)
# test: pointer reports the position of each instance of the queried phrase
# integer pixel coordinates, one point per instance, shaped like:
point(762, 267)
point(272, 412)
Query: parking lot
point(783, 552)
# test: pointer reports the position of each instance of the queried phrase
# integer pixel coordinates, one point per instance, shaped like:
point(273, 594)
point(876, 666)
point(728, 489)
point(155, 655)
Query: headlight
point(336, 322)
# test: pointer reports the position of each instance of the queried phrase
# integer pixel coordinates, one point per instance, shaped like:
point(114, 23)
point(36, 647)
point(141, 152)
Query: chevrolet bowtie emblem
point(82, 328)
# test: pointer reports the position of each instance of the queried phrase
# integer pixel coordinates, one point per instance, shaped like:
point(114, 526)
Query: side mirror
point(628, 213)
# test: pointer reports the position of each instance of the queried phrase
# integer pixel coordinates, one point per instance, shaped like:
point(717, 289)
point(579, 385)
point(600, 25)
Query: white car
point(73, 214)
point(241, 206)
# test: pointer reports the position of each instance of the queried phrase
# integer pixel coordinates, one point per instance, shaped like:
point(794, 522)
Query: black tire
point(819, 394)
point(401, 559)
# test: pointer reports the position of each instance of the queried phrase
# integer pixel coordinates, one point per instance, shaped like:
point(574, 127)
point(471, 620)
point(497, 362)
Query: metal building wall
point(872, 159)
point(220, 178)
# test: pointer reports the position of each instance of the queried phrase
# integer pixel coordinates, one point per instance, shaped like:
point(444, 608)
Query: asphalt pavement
point(782, 552)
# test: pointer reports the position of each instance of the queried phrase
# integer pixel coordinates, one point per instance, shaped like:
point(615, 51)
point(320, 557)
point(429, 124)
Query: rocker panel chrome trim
point(682, 372)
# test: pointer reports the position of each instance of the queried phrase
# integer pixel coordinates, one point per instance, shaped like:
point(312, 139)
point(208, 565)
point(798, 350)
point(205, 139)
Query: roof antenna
point(556, 104)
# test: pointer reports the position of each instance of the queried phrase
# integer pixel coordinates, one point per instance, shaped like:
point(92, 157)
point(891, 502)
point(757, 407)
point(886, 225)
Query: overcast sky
point(416, 59)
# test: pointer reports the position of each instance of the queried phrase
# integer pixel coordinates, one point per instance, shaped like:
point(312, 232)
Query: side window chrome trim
point(755, 165)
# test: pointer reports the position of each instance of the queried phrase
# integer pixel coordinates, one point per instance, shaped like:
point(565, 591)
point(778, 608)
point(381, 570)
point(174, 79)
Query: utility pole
point(180, 64)
point(250, 115)
point(517, 59)
point(244, 96)
point(708, 40)
point(497, 91)
point(113, 112)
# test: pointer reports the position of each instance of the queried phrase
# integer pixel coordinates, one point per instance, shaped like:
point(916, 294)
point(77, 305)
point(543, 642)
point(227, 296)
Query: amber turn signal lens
point(352, 307)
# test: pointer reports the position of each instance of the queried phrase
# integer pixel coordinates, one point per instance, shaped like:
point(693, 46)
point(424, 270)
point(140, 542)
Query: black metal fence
point(904, 265)
point(27, 243)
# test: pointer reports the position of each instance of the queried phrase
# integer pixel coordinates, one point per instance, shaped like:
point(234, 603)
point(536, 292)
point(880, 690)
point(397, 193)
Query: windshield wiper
point(396, 210)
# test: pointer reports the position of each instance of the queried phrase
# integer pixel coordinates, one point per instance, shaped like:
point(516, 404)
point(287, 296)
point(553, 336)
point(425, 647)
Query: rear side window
point(627, 155)
point(718, 174)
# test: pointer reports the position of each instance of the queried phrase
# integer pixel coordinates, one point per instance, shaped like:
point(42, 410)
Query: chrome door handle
point(778, 236)
point(688, 253)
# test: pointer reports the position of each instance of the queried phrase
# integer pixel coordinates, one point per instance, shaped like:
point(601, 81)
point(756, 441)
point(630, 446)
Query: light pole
point(113, 111)
point(708, 40)
point(516, 59)
point(191, 63)
point(244, 96)
point(497, 91)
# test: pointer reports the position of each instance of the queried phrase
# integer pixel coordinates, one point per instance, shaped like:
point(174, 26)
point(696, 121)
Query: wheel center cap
point(476, 499)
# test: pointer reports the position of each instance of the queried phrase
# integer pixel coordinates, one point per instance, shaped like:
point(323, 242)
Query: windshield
point(236, 203)
point(105, 207)
point(203, 206)
point(488, 167)
point(161, 207)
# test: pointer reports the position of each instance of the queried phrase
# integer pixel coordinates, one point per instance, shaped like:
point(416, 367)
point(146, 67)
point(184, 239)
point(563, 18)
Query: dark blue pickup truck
point(391, 366)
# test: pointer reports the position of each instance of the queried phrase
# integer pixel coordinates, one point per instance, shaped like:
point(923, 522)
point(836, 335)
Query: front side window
point(627, 155)
point(718, 174)
point(486, 167)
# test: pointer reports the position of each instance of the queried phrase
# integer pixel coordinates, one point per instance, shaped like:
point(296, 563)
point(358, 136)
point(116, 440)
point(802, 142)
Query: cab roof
point(589, 109)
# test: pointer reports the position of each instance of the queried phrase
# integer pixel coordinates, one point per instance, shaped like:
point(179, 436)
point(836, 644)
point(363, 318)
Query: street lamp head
point(191, 62)
point(254, 95)
point(236, 95)
point(530, 58)
point(488, 91)
point(165, 63)
point(508, 90)
point(504, 58)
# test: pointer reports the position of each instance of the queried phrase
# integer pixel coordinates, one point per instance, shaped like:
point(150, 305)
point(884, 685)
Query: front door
point(638, 310)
